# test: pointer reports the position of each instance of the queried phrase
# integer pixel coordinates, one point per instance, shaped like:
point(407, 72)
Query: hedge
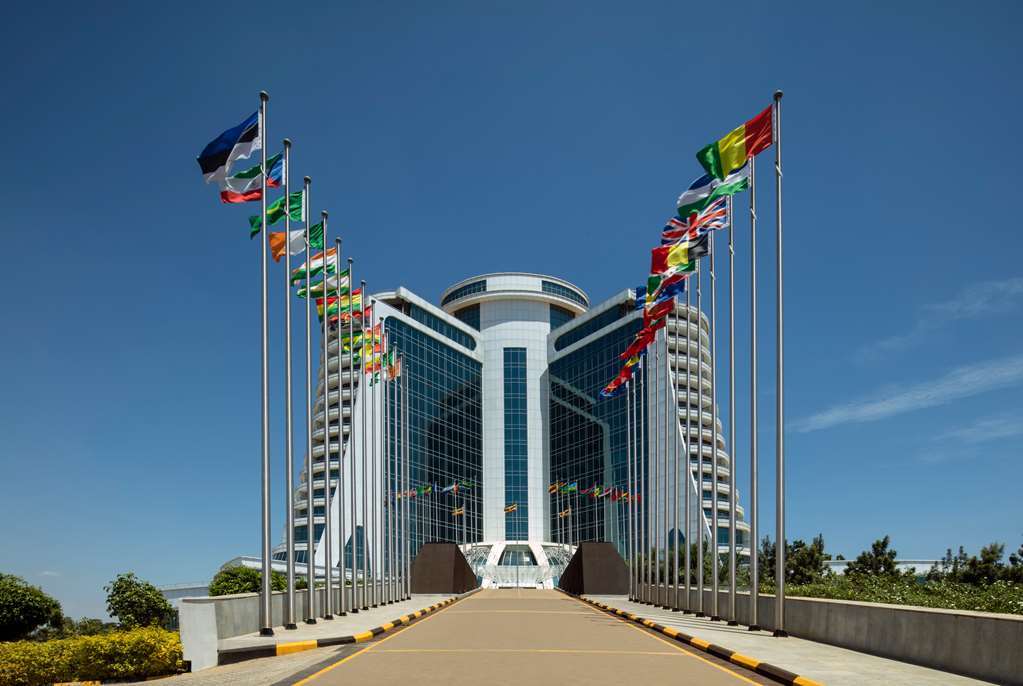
point(134, 654)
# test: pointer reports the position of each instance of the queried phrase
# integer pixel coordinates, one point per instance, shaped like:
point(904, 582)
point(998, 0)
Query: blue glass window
point(442, 327)
point(462, 291)
point(564, 292)
point(559, 316)
point(470, 315)
point(583, 330)
point(516, 445)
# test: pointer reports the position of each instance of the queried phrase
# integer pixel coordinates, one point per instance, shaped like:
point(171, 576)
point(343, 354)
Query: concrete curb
point(227, 657)
point(763, 668)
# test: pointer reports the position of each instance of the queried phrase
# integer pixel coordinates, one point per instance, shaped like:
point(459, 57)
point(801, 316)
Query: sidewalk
point(828, 664)
point(307, 636)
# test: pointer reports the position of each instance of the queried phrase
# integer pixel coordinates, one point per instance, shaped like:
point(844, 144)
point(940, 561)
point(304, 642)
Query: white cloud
point(973, 302)
point(988, 429)
point(964, 382)
point(47, 572)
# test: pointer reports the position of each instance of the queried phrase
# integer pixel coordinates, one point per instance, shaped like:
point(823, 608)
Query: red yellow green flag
point(723, 157)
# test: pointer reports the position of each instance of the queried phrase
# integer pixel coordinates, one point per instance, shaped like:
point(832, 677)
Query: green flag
point(275, 213)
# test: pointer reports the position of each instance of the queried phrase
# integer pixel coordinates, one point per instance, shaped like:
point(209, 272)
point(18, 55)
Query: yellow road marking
point(747, 662)
point(364, 636)
point(700, 643)
point(680, 649)
point(295, 647)
point(803, 681)
point(358, 653)
point(558, 651)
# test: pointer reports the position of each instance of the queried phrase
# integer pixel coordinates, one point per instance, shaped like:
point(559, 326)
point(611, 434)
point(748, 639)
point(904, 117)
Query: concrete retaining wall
point(978, 644)
point(204, 621)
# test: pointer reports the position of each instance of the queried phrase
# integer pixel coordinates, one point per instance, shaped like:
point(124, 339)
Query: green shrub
point(24, 608)
point(240, 579)
point(136, 602)
point(134, 654)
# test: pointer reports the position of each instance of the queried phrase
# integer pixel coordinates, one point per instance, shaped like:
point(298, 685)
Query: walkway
point(526, 636)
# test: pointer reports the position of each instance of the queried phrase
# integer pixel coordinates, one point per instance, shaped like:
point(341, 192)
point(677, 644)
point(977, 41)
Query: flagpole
point(309, 376)
point(310, 518)
point(405, 458)
point(374, 464)
point(363, 443)
point(655, 466)
point(289, 458)
point(265, 616)
point(385, 491)
point(688, 460)
point(673, 397)
point(629, 393)
point(716, 558)
point(754, 572)
point(352, 485)
point(328, 602)
point(662, 458)
point(342, 605)
point(699, 459)
point(732, 619)
point(643, 483)
point(779, 573)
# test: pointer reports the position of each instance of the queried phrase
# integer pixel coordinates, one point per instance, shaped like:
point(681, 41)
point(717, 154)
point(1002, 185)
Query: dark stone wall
point(596, 569)
point(441, 568)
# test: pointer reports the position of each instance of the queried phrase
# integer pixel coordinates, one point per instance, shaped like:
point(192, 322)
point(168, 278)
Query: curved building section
point(514, 313)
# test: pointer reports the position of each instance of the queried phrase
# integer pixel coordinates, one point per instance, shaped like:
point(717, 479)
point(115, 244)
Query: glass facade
point(442, 327)
point(564, 292)
point(445, 434)
point(469, 315)
point(559, 316)
point(588, 439)
point(468, 289)
point(580, 332)
point(516, 445)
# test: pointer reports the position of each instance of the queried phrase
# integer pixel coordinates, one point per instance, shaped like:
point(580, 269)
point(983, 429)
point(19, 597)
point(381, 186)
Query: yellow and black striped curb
point(230, 656)
point(764, 668)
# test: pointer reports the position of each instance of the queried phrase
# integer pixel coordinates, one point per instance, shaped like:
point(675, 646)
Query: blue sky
point(448, 139)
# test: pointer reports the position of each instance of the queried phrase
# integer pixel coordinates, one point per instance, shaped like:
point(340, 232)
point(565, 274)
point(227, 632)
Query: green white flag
point(275, 213)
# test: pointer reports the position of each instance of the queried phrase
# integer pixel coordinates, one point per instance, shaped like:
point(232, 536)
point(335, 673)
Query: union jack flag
point(698, 224)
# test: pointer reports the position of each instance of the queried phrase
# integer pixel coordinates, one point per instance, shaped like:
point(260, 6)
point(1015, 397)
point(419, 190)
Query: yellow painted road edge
point(290, 647)
point(763, 668)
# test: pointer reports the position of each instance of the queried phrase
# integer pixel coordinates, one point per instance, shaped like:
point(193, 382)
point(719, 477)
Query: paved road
point(525, 636)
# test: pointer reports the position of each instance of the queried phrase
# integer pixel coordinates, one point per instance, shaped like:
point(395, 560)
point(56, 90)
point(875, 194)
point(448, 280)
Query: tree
point(986, 567)
point(878, 561)
point(24, 608)
point(239, 579)
point(805, 564)
point(136, 602)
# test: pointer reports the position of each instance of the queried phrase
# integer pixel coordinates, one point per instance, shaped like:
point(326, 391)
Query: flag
point(394, 368)
point(678, 258)
point(711, 218)
point(237, 143)
point(511, 508)
point(458, 511)
point(448, 489)
point(338, 283)
point(247, 185)
point(658, 284)
point(661, 309)
point(722, 157)
point(315, 265)
point(643, 338)
point(275, 212)
point(553, 488)
point(706, 189)
point(565, 513)
point(336, 304)
point(278, 244)
point(640, 297)
point(361, 315)
point(570, 488)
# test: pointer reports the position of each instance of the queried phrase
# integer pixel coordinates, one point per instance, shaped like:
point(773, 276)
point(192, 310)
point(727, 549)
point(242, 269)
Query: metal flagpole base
point(365, 608)
point(328, 616)
point(342, 614)
point(266, 632)
point(732, 622)
point(715, 618)
point(780, 633)
point(700, 614)
point(753, 627)
point(310, 621)
point(291, 627)
point(676, 609)
point(687, 612)
point(354, 610)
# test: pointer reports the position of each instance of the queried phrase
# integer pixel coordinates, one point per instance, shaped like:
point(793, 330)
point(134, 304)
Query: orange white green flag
point(318, 263)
